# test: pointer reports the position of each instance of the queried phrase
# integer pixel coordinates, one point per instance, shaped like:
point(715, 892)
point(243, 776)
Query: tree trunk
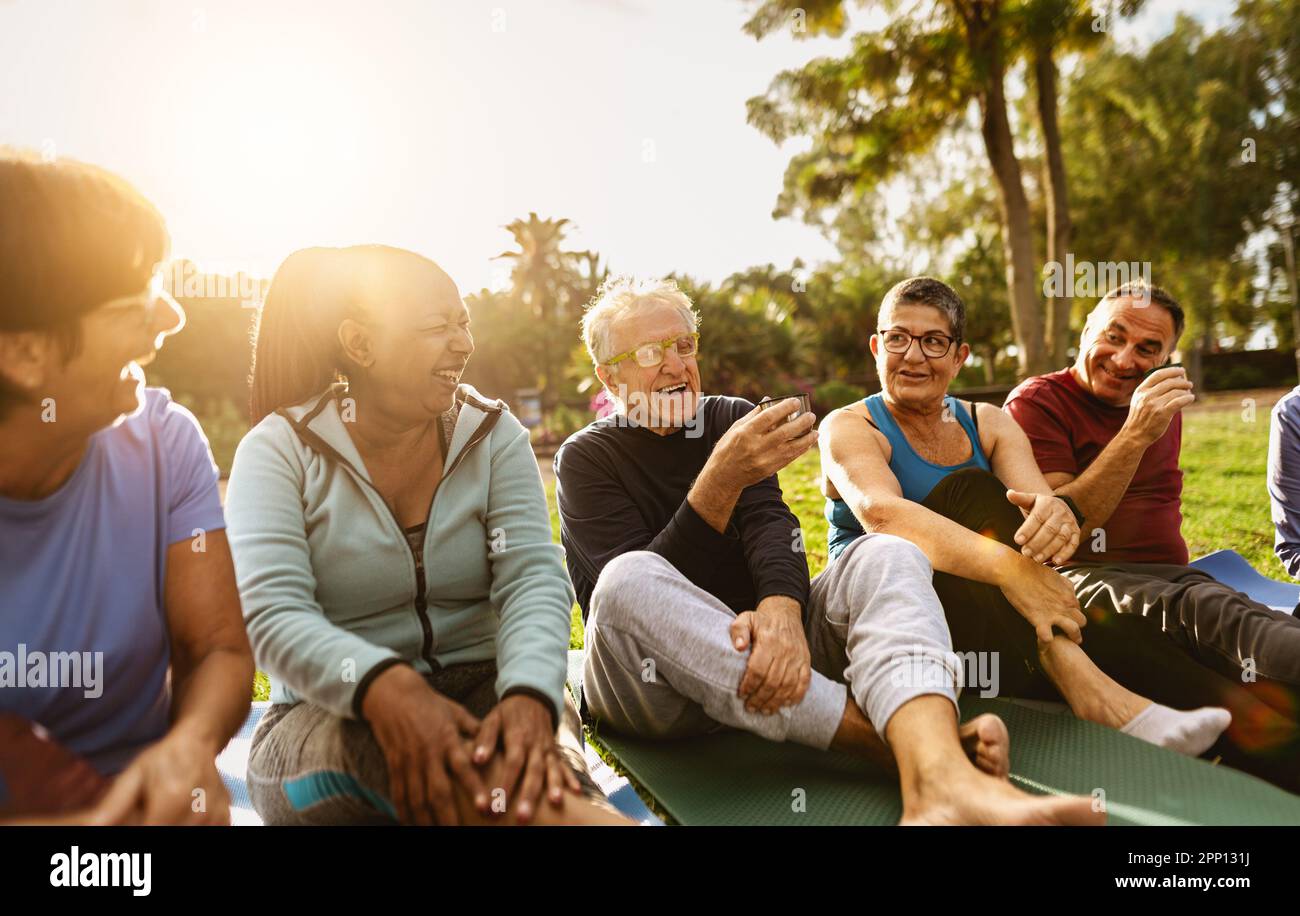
point(1017, 230)
point(1201, 292)
point(1196, 370)
point(1059, 227)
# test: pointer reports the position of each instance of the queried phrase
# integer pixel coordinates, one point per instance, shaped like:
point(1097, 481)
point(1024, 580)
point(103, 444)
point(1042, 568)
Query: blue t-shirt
point(84, 649)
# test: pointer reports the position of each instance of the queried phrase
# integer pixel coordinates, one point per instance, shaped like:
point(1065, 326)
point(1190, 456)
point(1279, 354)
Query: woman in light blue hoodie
point(394, 556)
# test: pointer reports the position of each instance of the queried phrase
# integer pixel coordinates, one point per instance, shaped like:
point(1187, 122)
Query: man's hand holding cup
point(769, 437)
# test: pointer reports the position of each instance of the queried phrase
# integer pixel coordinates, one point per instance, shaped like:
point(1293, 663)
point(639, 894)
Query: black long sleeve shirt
point(621, 487)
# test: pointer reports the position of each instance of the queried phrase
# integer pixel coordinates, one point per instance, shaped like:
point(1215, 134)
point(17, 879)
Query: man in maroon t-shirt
point(1070, 428)
point(1106, 433)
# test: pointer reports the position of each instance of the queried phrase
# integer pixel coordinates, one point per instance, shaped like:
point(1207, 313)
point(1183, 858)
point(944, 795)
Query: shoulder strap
point(870, 405)
point(972, 428)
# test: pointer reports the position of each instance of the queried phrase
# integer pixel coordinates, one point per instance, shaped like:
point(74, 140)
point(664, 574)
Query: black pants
point(1217, 625)
point(1124, 637)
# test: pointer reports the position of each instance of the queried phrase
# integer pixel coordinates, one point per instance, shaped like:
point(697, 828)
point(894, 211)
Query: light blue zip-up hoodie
point(332, 591)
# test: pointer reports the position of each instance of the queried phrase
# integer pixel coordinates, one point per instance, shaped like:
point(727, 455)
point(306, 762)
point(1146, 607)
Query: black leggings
point(1264, 738)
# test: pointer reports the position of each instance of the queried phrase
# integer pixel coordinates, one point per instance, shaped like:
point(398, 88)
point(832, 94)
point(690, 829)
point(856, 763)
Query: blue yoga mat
point(1231, 568)
point(232, 763)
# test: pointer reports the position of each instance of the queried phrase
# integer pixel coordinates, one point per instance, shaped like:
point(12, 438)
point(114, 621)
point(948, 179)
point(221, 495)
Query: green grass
point(1225, 495)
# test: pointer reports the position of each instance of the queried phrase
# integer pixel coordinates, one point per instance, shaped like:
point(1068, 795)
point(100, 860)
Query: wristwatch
point(1078, 516)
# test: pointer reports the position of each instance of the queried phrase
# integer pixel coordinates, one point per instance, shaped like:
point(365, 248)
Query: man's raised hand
point(763, 441)
point(1161, 395)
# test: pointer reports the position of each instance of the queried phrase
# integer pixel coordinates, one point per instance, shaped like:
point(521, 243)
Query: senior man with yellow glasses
point(699, 613)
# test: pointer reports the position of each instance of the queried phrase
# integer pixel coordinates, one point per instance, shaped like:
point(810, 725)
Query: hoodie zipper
point(421, 602)
point(420, 599)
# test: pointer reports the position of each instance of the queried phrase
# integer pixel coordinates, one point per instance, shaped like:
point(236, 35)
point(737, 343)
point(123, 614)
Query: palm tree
point(552, 284)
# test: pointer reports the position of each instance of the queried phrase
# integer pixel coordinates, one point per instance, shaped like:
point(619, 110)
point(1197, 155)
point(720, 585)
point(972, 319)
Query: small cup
point(805, 403)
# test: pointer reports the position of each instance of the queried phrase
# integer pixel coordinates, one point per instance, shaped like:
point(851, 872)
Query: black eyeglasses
point(935, 346)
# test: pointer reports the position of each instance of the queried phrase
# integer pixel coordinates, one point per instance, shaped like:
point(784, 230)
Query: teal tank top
point(916, 476)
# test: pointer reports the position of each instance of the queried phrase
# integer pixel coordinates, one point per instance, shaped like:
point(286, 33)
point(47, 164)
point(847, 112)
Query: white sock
point(1189, 733)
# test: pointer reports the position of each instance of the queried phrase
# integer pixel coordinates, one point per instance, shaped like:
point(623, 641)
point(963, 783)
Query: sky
point(263, 126)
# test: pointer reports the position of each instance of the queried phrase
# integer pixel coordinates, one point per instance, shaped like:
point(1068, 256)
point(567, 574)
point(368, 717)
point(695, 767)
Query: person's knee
point(976, 499)
point(889, 551)
point(618, 598)
point(976, 482)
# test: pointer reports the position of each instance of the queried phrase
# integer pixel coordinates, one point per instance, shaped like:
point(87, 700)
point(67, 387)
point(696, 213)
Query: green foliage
point(1152, 141)
point(745, 349)
point(1153, 151)
point(1157, 169)
point(830, 395)
point(868, 114)
point(563, 420)
point(223, 423)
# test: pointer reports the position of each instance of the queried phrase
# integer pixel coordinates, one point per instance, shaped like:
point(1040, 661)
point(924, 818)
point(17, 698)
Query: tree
point(900, 88)
point(551, 285)
point(1048, 28)
point(745, 350)
point(913, 81)
point(1160, 169)
point(1273, 29)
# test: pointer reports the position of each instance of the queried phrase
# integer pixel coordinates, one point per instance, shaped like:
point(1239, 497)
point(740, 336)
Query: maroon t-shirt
point(1068, 427)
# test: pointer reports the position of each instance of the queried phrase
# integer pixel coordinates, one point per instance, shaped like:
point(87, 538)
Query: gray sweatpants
point(660, 661)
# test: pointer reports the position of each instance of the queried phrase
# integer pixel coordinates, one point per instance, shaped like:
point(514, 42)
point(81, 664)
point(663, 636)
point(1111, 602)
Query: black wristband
point(1078, 516)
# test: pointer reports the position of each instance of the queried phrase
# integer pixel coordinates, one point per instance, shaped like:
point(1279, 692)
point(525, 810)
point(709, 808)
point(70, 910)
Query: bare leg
point(1092, 694)
point(988, 622)
point(984, 740)
point(940, 786)
point(1095, 696)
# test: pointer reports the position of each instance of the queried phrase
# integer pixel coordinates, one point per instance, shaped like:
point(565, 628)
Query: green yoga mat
point(734, 778)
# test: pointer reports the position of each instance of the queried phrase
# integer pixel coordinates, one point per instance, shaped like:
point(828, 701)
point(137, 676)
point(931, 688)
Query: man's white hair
point(621, 296)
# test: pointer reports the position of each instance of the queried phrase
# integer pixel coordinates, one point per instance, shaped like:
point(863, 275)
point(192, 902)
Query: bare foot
point(970, 797)
point(987, 744)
